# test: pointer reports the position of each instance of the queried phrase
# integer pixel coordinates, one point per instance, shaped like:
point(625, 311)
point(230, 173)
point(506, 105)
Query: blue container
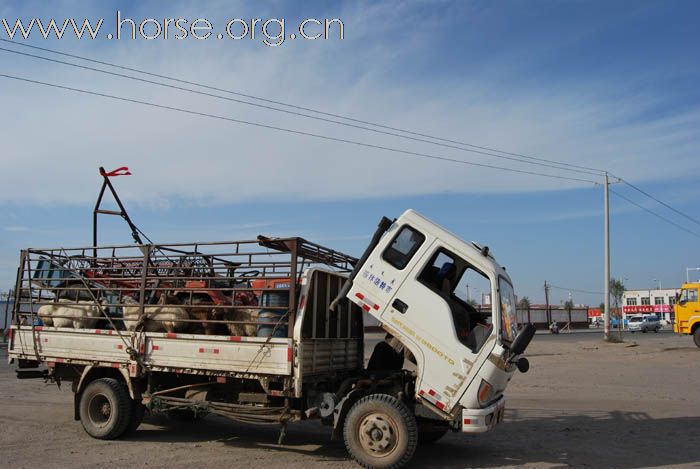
point(271, 320)
point(273, 316)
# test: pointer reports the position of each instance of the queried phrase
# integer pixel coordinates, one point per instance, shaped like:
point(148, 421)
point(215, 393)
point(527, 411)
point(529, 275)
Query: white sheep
point(157, 318)
point(76, 314)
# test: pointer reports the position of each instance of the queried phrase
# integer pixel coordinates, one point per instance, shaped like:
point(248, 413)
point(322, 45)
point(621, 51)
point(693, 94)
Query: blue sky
point(609, 85)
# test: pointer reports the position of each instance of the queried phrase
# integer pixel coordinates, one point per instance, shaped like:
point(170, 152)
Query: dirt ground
point(583, 404)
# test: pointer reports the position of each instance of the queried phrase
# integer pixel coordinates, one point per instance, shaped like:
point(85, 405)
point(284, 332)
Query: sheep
point(249, 315)
point(77, 314)
point(157, 318)
point(201, 309)
point(44, 313)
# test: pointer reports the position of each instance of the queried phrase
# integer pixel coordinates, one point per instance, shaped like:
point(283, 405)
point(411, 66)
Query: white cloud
point(55, 140)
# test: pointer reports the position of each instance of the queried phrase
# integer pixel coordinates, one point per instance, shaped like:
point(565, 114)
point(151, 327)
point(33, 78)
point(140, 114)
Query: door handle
point(399, 306)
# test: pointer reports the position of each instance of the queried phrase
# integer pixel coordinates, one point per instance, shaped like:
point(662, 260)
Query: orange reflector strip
point(484, 392)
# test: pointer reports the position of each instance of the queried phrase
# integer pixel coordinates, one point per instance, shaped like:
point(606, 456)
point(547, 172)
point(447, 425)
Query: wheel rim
point(99, 410)
point(378, 434)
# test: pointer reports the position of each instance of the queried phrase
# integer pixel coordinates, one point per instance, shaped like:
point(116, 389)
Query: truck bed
point(179, 353)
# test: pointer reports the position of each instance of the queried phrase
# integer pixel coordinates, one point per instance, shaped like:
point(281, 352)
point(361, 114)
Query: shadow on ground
point(607, 439)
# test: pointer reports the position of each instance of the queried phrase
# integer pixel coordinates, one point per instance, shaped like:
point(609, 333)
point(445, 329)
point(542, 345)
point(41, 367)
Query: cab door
point(444, 324)
point(686, 308)
point(437, 323)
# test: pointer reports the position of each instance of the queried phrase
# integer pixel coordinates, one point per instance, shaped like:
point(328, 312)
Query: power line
point(575, 290)
point(294, 131)
point(694, 220)
point(189, 90)
point(516, 156)
point(656, 214)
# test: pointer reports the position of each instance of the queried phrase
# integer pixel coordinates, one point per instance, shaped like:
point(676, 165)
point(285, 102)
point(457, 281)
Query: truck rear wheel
point(696, 336)
point(380, 432)
point(105, 409)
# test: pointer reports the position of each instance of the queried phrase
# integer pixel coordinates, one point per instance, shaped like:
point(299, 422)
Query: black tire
point(105, 409)
point(380, 432)
point(138, 411)
point(656, 330)
point(696, 337)
point(644, 330)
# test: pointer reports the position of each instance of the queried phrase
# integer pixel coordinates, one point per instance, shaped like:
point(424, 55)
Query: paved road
point(593, 335)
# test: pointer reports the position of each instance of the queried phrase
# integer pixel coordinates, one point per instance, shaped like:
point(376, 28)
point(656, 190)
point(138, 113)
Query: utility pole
point(546, 300)
point(7, 307)
point(606, 314)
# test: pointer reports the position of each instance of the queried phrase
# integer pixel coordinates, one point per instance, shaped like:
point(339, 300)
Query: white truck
point(272, 332)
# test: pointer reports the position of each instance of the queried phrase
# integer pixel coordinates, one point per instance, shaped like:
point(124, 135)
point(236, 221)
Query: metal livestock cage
point(250, 286)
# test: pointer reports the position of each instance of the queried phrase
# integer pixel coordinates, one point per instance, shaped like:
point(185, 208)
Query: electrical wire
point(189, 90)
point(656, 214)
point(575, 290)
point(641, 191)
point(513, 156)
point(297, 132)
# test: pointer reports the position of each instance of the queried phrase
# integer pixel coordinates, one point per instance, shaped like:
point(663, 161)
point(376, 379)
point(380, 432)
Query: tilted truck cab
point(414, 282)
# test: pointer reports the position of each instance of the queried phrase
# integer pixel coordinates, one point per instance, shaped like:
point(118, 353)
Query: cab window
point(403, 247)
point(689, 295)
point(466, 290)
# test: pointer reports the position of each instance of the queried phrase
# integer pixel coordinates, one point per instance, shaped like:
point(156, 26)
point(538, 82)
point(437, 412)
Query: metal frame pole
point(606, 320)
point(7, 308)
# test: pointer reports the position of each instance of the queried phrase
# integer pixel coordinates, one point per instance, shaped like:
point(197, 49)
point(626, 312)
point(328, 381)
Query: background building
point(658, 301)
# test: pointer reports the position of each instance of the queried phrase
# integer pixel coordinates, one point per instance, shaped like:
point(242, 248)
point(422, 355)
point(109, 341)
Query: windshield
point(509, 321)
point(635, 319)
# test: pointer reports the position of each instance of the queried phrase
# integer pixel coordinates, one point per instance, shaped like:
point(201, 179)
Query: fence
point(541, 317)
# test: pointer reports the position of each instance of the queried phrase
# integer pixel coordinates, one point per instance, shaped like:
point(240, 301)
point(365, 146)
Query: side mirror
point(523, 364)
point(522, 340)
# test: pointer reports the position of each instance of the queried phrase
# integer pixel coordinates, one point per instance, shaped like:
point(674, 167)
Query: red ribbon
point(123, 171)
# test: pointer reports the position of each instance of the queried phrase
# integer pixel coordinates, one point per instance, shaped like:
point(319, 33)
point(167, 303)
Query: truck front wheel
point(380, 432)
point(696, 336)
point(105, 409)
